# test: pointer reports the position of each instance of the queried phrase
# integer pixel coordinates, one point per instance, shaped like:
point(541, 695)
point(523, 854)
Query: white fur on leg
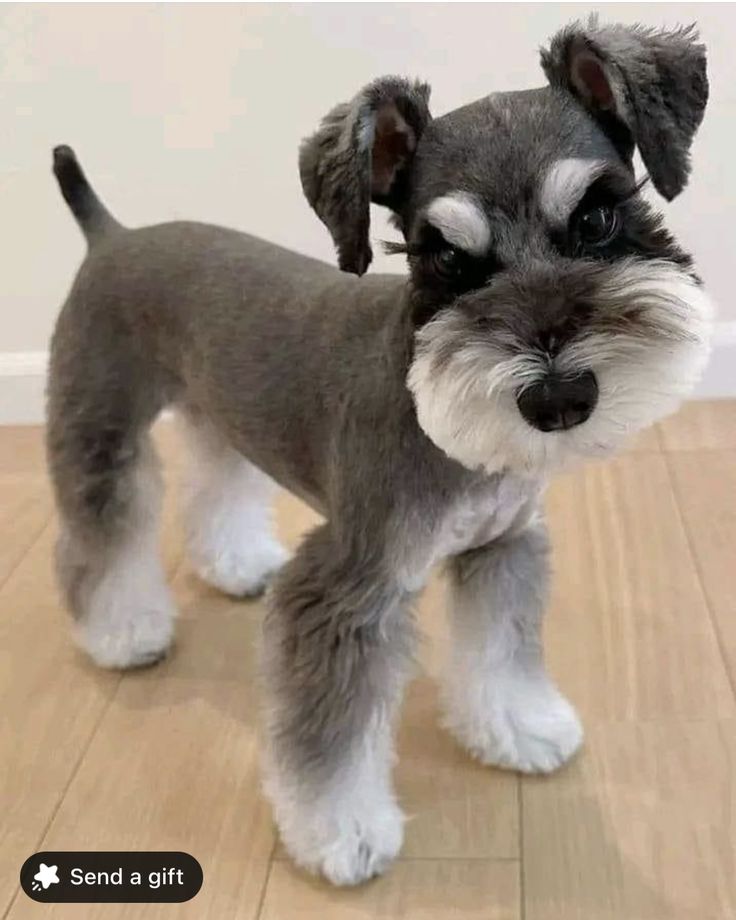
point(229, 526)
point(127, 615)
point(349, 829)
point(128, 620)
point(497, 699)
point(512, 720)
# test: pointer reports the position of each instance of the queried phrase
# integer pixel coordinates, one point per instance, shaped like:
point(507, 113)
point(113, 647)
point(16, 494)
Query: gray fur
point(659, 86)
point(339, 641)
point(505, 584)
point(93, 217)
point(318, 379)
point(336, 163)
point(498, 593)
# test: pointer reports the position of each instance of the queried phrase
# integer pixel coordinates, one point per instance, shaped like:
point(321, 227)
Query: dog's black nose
point(556, 403)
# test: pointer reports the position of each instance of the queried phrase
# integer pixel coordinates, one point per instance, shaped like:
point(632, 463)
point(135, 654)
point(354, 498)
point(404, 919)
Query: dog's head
point(554, 314)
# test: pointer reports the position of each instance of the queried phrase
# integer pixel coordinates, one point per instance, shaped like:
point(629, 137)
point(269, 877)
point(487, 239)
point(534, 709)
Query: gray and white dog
point(547, 315)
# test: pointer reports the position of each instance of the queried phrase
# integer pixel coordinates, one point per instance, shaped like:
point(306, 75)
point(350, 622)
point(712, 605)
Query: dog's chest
point(484, 513)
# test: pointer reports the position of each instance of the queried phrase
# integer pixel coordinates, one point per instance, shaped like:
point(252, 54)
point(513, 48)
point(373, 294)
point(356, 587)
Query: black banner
point(111, 877)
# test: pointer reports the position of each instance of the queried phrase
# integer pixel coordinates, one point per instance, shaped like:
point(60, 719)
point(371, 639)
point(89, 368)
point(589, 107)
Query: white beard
point(466, 404)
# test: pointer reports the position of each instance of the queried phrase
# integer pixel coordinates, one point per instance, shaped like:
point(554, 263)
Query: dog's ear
point(359, 154)
point(643, 86)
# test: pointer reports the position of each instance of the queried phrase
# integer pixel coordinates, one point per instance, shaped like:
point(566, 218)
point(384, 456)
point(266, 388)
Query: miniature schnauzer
point(547, 315)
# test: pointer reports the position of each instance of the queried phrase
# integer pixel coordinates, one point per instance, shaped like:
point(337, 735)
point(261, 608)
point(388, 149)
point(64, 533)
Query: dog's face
point(554, 314)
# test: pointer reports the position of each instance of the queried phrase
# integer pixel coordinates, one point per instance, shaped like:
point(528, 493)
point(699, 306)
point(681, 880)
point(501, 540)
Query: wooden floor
point(641, 635)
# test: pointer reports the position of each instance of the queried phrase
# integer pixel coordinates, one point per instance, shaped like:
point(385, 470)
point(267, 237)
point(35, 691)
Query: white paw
point(348, 836)
point(244, 571)
point(518, 723)
point(358, 853)
point(132, 638)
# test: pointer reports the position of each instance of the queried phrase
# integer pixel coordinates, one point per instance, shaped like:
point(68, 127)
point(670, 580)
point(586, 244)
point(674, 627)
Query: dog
point(547, 315)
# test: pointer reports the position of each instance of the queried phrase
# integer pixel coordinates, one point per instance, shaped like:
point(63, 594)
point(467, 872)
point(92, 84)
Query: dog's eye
point(447, 262)
point(597, 226)
point(455, 269)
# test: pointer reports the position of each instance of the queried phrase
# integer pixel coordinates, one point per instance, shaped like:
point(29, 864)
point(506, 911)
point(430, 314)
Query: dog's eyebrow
point(565, 184)
point(461, 221)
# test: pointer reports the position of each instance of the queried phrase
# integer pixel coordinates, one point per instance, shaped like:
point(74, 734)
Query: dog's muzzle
point(557, 403)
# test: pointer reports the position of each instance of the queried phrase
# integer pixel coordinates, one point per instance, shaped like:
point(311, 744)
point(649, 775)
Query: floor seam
point(522, 873)
point(33, 541)
point(266, 880)
point(11, 905)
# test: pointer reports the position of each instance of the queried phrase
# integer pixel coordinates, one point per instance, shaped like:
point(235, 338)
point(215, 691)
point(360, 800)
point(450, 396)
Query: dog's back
point(217, 321)
point(175, 305)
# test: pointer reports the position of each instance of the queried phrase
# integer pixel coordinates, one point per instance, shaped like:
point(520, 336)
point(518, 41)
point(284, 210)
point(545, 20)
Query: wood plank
point(641, 827)
point(25, 509)
point(705, 485)
point(52, 698)
point(51, 703)
point(457, 808)
point(641, 824)
point(629, 633)
point(22, 450)
point(414, 890)
point(701, 425)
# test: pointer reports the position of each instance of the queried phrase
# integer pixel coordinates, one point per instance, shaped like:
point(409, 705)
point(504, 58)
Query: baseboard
point(23, 378)
point(22, 387)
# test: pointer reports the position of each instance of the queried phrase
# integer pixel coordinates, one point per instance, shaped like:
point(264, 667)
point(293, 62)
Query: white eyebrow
point(461, 222)
point(565, 184)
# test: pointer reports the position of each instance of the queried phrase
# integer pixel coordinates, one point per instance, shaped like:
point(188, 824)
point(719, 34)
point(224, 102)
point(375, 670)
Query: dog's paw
point(121, 639)
point(241, 572)
point(356, 854)
point(347, 835)
point(516, 723)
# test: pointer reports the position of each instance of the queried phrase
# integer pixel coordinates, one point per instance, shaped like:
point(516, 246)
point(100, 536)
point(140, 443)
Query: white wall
point(197, 111)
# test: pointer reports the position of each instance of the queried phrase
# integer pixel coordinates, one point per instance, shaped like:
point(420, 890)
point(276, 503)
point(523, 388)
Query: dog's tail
point(91, 214)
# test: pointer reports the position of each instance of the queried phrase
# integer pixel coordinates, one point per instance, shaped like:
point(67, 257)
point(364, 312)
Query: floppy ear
point(643, 86)
point(359, 154)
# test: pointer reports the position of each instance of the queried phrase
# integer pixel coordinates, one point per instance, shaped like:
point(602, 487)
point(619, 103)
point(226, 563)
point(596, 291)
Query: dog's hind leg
point(228, 514)
point(107, 484)
point(338, 641)
point(498, 700)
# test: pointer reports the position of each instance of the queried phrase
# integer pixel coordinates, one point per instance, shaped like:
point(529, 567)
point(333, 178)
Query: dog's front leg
point(338, 642)
point(498, 700)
